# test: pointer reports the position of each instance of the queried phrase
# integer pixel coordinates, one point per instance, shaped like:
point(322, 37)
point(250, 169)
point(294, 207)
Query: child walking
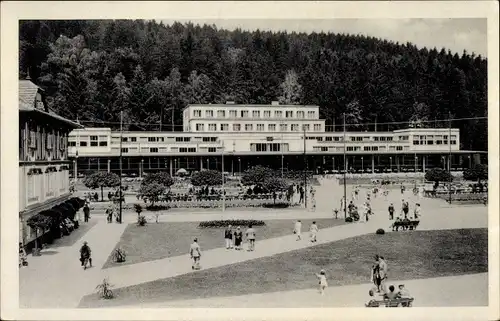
point(323, 284)
point(297, 229)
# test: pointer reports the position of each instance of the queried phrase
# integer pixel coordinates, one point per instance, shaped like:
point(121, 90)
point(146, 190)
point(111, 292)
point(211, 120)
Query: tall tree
point(291, 89)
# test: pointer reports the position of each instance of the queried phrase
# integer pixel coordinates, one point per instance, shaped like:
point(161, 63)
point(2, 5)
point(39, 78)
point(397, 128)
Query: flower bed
point(235, 203)
point(225, 223)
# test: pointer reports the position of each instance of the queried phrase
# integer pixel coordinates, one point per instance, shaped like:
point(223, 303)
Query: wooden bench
point(412, 225)
point(402, 302)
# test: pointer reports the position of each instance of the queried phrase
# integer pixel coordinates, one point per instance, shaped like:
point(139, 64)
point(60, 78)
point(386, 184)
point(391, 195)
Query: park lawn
point(162, 240)
point(410, 255)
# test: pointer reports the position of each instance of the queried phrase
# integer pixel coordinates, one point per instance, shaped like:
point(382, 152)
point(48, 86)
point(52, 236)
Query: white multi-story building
point(264, 134)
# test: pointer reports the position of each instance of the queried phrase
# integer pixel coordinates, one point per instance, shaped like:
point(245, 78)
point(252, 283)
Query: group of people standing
point(236, 238)
point(405, 210)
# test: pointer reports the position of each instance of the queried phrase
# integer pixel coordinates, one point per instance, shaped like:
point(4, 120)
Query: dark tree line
point(92, 70)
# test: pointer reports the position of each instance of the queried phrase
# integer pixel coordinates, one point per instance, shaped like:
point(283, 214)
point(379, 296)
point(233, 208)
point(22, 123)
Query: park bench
point(412, 225)
point(402, 302)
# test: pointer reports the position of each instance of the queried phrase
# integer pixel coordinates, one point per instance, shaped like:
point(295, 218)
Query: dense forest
point(92, 70)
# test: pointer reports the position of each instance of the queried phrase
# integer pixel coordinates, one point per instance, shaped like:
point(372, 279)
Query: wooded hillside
point(93, 69)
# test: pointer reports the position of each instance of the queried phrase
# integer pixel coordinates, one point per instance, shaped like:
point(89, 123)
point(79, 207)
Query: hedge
point(225, 223)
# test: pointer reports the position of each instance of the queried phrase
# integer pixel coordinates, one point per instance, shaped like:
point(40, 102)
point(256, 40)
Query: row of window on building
point(417, 140)
point(358, 148)
point(46, 185)
point(255, 114)
point(259, 127)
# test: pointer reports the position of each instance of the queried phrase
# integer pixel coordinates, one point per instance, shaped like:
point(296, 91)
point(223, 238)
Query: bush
point(257, 175)
point(478, 172)
point(348, 219)
point(276, 205)
point(119, 255)
point(141, 220)
point(438, 175)
point(161, 178)
point(104, 290)
point(138, 209)
point(207, 178)
point(380, 231)
point(225, 223)
point(155, 208)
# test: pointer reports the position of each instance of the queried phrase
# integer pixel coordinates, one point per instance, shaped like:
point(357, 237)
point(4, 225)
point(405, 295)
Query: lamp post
point(345, 173)
point(362, 165)
point(142, 166)
point(444, 162)
point(239, 165)
point(208, 164)
point(305, 168)
point(416, 162)
point(390, 160)
point(223, 179)
point(120, 193)
point(470, 165)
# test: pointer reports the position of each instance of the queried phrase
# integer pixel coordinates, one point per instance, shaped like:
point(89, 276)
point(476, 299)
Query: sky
point(455, 34)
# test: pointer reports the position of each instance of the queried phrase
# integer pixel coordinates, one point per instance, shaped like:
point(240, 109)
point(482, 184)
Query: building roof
point(27, 96)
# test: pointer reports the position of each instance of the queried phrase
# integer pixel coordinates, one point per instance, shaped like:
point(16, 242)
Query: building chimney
point(230, 102)
point(275, 103)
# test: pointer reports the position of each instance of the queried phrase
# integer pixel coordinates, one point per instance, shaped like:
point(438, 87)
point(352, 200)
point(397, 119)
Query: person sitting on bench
point(373, 301)
point(391, 295)
point(403, 294)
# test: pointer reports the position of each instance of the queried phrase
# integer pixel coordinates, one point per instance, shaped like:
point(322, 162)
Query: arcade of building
point(233, 137)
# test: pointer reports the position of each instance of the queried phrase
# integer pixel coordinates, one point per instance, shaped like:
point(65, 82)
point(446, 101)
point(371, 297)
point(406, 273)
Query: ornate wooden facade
point(43, 156)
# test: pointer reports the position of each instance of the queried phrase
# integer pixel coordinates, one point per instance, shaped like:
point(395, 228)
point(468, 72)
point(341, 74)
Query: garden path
point(432, 292)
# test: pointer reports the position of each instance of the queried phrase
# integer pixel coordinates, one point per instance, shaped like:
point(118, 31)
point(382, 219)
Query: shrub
point(161, 178)
point(276, 205)
point(155, 208)
point(119, 255)
point(101, 180)
point(348, 219)
point(104, 290)
point(478, 173)
point(141, 220)
point(207, 178)
point(438, 175)
point(225, 223)
point(138, 209)
point(152, 191)
point(257, 175)
point(380, 231)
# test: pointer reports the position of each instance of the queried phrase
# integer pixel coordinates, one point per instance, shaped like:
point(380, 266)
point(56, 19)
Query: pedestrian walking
point(383, 273)
point(86, 212)
point(313, 231)
point(250, 233)
point(228, 236)
point(301, 200)
point(405, 208)
point(417, 211)
point(323, 284)
point(109, 215)
point(375, 274)
point(391, 211)
point(195, 253)
point(297, 229)
point(238, 238)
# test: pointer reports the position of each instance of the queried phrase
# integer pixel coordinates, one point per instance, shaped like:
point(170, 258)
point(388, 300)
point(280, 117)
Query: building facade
point(43, 157)
point(275, 135)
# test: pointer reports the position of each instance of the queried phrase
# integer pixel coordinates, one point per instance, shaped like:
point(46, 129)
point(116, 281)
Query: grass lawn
point(410, 255)
point(158, 241)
